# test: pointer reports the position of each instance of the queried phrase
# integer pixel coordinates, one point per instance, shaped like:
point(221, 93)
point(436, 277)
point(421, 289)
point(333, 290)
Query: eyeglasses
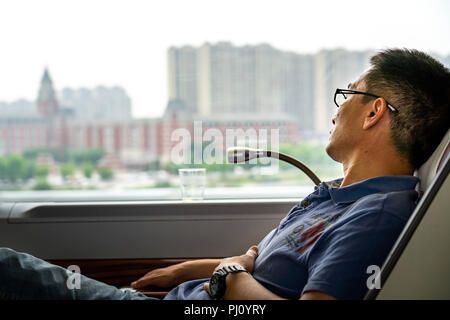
point(341, 95)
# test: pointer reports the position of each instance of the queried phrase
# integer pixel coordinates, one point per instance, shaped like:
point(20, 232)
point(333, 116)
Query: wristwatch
point(217, 283)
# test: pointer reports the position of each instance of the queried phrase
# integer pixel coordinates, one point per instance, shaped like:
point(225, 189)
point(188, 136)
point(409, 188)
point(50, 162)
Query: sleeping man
point(388, 123)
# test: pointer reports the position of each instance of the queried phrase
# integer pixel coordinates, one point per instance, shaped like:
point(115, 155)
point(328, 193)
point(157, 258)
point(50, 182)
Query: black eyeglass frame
point(348, 91)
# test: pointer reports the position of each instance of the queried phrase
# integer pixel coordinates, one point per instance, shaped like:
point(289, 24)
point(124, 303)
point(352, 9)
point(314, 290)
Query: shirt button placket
point(304, 204)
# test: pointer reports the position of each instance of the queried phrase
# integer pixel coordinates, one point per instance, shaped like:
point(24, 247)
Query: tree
point(33, 153)
point(173, 167)
point(67, 170)
point(154, 165)
point(163, 184)
point(88, 170)
point(2, 168)
point(42, 184)
point(15, 168)
point(30, 169)
point(61, 154)
point(105, 173)
point(91, 156)
point(311, 154)
point(42, 171)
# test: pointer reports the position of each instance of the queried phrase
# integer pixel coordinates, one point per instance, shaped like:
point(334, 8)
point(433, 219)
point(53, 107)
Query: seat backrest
point(428, 170)
point(413, 266)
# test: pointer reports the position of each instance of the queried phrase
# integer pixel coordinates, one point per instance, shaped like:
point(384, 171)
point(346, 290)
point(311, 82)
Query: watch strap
point(232, 269)
point(219, 276)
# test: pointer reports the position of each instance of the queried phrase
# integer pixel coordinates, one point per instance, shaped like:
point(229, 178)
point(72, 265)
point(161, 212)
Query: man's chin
point(330, 148)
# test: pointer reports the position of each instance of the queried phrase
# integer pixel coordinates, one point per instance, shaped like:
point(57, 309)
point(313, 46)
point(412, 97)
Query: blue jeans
point(23, 276)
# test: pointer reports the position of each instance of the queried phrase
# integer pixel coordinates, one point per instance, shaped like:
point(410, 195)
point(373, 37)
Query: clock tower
point(47, 104)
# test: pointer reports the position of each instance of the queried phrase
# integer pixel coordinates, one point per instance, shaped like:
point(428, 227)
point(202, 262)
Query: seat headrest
point(428, 170)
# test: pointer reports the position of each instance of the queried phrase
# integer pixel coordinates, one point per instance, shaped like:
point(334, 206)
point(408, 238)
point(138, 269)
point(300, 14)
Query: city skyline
point(325, 70)
point(106, 103)
point(127, 141)
point(216, 79)
point(124, 43)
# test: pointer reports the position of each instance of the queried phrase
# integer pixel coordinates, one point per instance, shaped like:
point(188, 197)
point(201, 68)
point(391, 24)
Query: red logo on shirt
point(304, 238)
point(311, 235)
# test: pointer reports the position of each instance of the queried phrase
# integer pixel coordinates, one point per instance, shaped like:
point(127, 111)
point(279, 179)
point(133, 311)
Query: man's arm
point(199, 269)
point(242, 285)
point(174, 275)
point(316, 295)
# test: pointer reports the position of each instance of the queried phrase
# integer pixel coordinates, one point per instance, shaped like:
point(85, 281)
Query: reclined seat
point(418, 265)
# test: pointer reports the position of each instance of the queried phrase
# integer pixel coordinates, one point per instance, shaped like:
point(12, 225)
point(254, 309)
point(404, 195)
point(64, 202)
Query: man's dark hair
point(419, 87)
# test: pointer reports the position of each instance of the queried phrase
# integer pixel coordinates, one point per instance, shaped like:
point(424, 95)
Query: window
point(111, 96)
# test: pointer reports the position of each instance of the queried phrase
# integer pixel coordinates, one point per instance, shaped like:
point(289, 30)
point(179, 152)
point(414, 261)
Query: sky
point(124, 43)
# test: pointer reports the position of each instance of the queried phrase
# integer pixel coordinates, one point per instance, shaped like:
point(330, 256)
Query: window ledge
point(157, 194)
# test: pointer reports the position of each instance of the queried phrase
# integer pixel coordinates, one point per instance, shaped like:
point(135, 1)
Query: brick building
point(128, 142)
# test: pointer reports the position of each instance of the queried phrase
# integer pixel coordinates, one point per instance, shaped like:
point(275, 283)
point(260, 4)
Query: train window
point(108, 100)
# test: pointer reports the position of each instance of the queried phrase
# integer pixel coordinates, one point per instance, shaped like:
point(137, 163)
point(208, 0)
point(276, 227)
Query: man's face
point(347, 124)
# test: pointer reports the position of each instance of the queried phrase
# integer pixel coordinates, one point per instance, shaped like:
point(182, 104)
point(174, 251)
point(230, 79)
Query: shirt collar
point(383, 184)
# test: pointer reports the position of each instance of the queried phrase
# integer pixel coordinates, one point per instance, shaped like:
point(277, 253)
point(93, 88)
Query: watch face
point(217, 285)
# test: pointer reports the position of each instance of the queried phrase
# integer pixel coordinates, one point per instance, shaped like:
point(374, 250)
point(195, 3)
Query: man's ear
point(374, 112)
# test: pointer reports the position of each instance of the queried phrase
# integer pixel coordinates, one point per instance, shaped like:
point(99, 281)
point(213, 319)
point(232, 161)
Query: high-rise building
point(223, 79)
point(220, 79)
point(299, 94)
point(182, 76)
point(334, 69)
point(240, 79)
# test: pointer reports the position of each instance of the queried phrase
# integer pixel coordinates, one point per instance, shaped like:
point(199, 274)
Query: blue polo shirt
point(327, 241)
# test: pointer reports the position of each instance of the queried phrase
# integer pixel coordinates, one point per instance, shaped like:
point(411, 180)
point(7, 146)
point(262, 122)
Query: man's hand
point(164, 277)
point(246, 260)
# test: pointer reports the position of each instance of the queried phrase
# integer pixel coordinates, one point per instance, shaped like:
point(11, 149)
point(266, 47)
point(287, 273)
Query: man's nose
point(333, 120)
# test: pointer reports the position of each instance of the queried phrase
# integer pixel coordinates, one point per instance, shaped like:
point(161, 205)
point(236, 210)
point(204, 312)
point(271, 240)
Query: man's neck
point(362, 168)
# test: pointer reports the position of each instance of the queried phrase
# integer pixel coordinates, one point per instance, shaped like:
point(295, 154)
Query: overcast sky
point(93, 42)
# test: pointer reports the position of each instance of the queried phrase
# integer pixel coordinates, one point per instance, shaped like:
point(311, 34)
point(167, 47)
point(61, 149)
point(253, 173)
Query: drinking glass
point(192, 183)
